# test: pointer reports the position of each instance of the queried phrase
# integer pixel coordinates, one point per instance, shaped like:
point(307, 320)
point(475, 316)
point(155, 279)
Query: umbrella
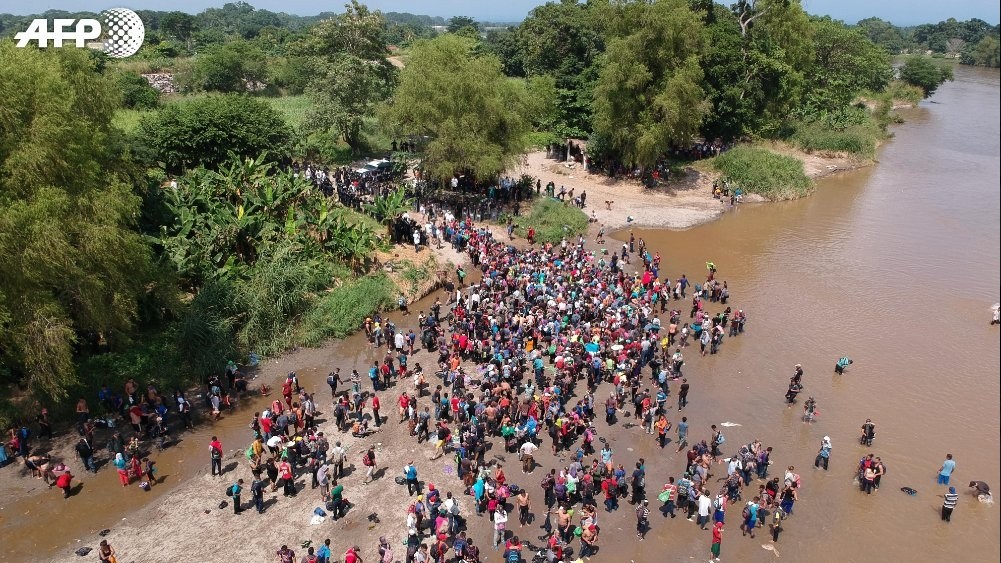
point(591, 347)
point(652, 326)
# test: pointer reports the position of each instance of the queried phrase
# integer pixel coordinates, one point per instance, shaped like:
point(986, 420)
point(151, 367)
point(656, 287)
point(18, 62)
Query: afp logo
point(120, 31)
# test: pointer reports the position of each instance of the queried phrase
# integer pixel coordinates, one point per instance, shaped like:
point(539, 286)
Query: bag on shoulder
point(746, 513)
point(366, 460)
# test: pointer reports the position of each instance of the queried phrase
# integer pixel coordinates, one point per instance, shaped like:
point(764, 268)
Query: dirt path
point(678, 205)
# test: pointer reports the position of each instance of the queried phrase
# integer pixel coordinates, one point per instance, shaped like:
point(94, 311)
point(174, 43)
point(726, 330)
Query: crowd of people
point(521, 355)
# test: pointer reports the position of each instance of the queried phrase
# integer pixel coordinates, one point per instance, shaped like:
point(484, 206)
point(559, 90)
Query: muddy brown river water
point(895, 265)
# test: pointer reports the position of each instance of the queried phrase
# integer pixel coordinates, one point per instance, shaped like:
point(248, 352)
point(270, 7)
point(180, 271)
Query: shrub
point(859, 140)
point(763, 172)
point(341, 311)
point(552, 221)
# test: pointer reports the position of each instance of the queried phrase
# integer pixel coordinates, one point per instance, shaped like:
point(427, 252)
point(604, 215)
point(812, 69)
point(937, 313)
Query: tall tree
point(474, 117)
point(925, 74)
point(846, 63)
point(74, 265)
point(564, 39)
point(648, 94)
point(354, 74)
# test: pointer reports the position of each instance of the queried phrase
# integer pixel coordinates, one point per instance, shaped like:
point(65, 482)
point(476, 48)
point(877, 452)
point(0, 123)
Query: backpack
point(720, 438)
point(746, 513)
point(366, 460)
point(513, 556)
point(250, 452)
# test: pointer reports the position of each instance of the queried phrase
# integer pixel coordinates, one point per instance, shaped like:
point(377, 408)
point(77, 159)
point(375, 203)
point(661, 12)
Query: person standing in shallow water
point(945, 472)
point(949, 504)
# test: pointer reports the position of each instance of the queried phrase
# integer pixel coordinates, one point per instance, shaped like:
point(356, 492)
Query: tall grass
point(341, 311)
point(761, 171)
point(858, 140)
point(552, 220)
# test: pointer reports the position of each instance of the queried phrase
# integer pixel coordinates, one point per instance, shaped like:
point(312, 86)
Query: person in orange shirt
point(662, 425)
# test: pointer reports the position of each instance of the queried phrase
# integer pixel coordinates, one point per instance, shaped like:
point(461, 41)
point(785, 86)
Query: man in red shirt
point(351, 555)
point(215, 453)
point(375, 410)
point(64, 482)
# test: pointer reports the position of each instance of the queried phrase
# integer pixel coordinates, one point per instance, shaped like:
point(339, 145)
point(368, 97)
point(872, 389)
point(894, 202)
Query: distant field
point(293, 108)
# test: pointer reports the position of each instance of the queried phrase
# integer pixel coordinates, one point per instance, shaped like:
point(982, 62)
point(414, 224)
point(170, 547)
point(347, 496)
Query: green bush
point(761, 171)
point(859, 140)
point(278, 290)
point(341, 311)
point(552, 221)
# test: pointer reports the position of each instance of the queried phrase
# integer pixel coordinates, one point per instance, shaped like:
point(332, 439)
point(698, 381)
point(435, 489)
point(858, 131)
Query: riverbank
point(678, 203)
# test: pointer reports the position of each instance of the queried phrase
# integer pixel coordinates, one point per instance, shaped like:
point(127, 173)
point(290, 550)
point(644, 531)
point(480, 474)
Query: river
point(895, 265)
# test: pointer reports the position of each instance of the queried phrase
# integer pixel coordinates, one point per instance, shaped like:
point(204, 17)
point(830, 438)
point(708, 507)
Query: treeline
point(176, 33)
point(974, 42)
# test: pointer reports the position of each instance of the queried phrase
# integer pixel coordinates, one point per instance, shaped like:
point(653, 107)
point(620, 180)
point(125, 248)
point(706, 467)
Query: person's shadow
point(75, 489)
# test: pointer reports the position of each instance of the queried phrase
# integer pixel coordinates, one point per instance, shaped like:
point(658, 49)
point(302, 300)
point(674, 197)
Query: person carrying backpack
point(234, 491)
point(368, 460)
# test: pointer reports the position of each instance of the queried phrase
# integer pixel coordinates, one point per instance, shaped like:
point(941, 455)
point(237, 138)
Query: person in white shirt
point(500, 524)
point(527, 451)
point(705, 503)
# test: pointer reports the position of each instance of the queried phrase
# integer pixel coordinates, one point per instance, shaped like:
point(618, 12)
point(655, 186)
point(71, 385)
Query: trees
point(845, 64)
point(354, 73)
point(923, 73)
point(984, 53)
point(230, 67)
point(204, 131)
point(563, 40)
point(74, 267)
point(136, 91)
point(648, 93)
point(475, 118)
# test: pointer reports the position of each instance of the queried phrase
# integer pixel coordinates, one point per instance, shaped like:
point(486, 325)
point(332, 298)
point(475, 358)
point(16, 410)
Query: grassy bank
point(761, 171)
point(294, 109)
point(552, 220)
point(859, 140)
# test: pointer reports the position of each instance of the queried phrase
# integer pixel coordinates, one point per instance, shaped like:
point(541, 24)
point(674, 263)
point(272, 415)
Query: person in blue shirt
point(948, 466)
point(410, 474)
point(323, 554)
point(842, 364)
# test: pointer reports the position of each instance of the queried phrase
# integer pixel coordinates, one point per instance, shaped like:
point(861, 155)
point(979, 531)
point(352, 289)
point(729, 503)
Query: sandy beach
point(679, 203)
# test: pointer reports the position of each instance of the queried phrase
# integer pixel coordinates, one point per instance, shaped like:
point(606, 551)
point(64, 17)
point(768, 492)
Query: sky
point(900, 12)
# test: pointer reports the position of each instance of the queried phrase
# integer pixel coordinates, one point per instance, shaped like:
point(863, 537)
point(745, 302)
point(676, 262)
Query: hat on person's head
point(951, 489)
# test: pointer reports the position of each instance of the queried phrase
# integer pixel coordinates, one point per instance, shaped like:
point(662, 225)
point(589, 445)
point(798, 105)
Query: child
point(150, 471)
point(717, 540)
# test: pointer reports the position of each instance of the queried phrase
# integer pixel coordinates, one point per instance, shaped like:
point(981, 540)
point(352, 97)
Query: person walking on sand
point(106, 553)
point(642, 519)
point(237, 489)
point(410, 475)
point(368, 460)
point(945, 472)
point(714, 549)
point(949, 504)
